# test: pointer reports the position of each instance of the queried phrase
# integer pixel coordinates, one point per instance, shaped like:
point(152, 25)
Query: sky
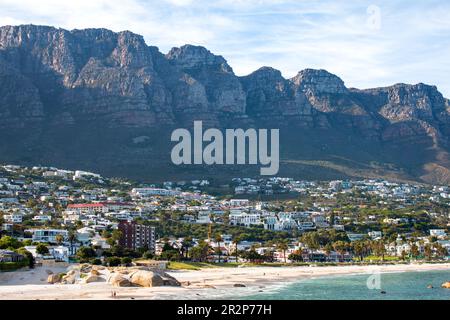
point(366, 43)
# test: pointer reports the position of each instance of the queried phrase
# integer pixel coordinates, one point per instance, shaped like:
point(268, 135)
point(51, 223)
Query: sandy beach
point(211, 283)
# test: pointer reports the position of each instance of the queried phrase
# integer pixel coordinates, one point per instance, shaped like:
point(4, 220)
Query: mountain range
point(99, 100)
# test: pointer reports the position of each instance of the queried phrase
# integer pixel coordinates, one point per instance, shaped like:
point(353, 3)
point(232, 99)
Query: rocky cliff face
point(53, 79)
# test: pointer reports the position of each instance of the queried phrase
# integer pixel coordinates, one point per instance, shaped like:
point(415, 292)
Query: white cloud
point(179, 2)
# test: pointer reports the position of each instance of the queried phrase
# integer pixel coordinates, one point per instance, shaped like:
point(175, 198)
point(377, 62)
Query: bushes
point(8, 242)
point(116, 261)
point(84, 254)
point(148, 255)
point(42, 249)
point(11, 266)
point(28, 256)
point(113, 261)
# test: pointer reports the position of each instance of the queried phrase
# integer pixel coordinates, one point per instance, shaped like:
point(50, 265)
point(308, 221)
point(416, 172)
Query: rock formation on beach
point(115, 276)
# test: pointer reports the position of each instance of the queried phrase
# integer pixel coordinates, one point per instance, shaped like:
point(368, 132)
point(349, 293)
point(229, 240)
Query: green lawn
point(12, 266)
point(377, 258)
point(173, 265)
point(203, 265)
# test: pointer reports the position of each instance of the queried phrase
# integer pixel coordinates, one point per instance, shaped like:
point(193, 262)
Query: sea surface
point(389, 286)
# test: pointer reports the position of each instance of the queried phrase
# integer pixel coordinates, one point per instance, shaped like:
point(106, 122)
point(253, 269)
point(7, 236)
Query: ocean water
point(397, 286)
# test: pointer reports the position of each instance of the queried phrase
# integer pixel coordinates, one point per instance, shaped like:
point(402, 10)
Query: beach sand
point(210, 283)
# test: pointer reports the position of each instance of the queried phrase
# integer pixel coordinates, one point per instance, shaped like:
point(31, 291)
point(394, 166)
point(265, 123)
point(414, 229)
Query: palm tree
point(358, 248)
point(379, 249)
point(268, 255)
point(440, 250)
point(283, 246)
point(59, 239)
point(205, 250)
point(187, 243)
point(236, 241)
point(72, 237)
point(428, 251)
point(403, 255)
point(219, 239)
point(341, 247)
point(297, 255)
point(311, 239)
point(414, 251)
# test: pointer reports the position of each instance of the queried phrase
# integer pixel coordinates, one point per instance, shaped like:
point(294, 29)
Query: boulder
point(446, 285)
point(123, 271)
point(85, 268)
point(93, 278)
point(98, 268)
point(68, 279)
point(54, 278)
point(71, 273)
point(94, 272)
point(118, 280)
point(239, 285)
point(169, 280)
point(146, 279)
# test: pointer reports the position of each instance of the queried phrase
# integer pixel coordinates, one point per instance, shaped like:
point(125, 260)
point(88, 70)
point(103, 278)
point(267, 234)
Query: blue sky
point(366, 43)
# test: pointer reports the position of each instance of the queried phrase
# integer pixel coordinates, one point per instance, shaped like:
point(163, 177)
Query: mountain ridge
point(59, 82)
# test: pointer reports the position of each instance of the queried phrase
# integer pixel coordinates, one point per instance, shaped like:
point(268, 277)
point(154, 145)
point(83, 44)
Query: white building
point(47, 235)
point(42, 218)
point(339, 227)
point(239, 202)
point(13, 218)
point(355, 236)
point(59, 253)
point(440, 233)
point(375, 235)
point(85, 234)
point(320, 220)
point(123, 215)
point(306, 225)
point(270, 222)
point(84, 174)
point(146, 192)
point(245, 219)
point(203, 217)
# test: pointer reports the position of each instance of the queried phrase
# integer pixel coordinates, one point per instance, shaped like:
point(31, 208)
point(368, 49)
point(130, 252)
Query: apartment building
point(135, 236)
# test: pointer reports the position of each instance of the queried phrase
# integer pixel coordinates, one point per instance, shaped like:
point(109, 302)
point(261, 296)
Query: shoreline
point(270, 278)
point(213, 283)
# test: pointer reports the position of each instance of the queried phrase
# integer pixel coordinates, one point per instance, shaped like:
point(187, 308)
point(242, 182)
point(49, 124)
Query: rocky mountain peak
point(402, 102)
point(414, 94)
point(132, 50)
point(267, 82)
point(264, 75)
point(189, 57)
point(14, 36)
point(319, 81)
